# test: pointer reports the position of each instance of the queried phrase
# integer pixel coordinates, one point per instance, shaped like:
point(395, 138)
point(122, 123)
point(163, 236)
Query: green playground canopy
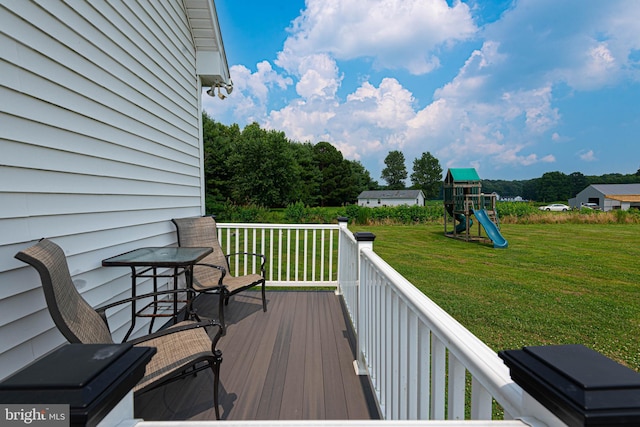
point(462, 174)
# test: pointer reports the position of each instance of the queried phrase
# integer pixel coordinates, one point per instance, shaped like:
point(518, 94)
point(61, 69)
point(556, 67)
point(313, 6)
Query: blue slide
point(462, 227)
point(491, 229)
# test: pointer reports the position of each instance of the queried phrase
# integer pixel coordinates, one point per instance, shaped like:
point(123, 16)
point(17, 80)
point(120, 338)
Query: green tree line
point(554, 186)
point(254, 166)
point(259, 167)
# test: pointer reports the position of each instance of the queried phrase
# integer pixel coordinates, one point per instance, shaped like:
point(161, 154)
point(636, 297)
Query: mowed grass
point(555, 284)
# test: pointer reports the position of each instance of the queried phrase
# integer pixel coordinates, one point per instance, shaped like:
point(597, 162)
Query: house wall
point(100, 142)
point(390, 198)
point(372, 203)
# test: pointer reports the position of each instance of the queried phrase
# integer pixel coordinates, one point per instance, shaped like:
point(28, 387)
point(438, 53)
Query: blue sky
point(512, 88)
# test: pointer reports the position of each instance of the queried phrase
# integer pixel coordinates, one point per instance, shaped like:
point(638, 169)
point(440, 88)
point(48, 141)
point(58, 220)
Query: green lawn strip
point(555, 284)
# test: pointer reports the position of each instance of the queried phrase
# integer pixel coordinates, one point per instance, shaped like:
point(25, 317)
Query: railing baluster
point(403, 361)
point(228, 250)
point(245, 258)
point(330, 255)
point(288, 255)
point(387, 386)
point(424, 386)
point(313, 254)
point(280, 254)
point(262, 246)
point(481, 401)
point(271, 253)
point(395, 358)
point(438, 377)
point(322, 255)
point(297, 253)
point(254, 250)
point(456, 389)
point(304, 255)
point(237, 246)
point(413, 366)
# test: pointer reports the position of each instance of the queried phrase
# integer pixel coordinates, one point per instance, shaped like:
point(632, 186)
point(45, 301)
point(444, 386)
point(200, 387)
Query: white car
point(590, 206)
point(558, 207)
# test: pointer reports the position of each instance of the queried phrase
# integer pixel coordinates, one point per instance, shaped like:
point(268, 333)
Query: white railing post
point(365, 242)
point(343, 222)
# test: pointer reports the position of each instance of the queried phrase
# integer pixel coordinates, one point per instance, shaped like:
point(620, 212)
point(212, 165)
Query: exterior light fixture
point(228, 87)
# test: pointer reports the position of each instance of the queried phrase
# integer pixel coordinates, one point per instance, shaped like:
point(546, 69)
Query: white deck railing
point(297, 254)
point(418, 356)
point(422, 363)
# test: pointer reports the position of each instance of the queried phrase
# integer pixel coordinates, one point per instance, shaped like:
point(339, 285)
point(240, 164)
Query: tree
point(427, 175)
point(309, 176)
point(553, 187)
point(218, 141)
point(578, 183)
point(395, 173)
point(263, 168)
point(363, 177)
point(359, 181)
point(336, 174)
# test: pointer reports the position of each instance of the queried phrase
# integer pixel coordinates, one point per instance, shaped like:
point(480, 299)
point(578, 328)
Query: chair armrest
point(176, 329)
point(223, 270)
point(261, 256)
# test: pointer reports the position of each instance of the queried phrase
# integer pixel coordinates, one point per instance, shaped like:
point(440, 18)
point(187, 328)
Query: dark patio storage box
point(90, 378)
point(579, 385)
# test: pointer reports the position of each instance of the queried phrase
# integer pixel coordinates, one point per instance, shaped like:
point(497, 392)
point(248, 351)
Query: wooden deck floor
point(292, 362)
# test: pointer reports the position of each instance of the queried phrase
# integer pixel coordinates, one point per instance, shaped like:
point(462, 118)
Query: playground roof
point(463, 174)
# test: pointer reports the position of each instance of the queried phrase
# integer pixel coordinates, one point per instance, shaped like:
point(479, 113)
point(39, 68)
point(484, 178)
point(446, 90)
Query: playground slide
point(492, 230)
point(460, 228)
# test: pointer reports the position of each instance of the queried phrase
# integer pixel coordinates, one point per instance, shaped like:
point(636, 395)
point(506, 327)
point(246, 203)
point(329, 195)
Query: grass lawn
point(555, 284)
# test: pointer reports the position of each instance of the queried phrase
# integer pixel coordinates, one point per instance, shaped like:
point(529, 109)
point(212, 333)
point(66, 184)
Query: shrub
point(516, 209)
point(230, 212)
point(295, 212)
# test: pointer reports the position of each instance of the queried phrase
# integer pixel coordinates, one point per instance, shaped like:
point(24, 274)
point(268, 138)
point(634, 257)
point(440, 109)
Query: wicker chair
point(211, 275)
point(182, 349)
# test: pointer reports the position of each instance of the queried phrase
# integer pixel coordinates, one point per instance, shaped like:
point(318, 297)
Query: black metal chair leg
point(216, 381)
point(221, 313)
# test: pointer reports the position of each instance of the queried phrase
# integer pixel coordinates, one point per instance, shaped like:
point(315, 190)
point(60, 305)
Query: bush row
point(433, 212)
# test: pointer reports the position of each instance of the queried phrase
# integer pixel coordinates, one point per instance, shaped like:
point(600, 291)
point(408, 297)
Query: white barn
point(376, 198)
point(609, 196)
point(101, 141)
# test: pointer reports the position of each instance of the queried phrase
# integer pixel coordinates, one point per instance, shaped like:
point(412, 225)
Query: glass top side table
point(144, 262)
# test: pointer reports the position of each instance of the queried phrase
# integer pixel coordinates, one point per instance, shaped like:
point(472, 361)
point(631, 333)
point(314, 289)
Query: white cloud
point(318, 76)
point(587, 46)
point(370, 120)
point(498, 111)
point(587, 156)
point(250, 97)
point(395, 33)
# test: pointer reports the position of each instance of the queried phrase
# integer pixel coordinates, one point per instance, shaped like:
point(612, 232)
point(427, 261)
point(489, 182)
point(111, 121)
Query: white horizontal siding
point(100, 148)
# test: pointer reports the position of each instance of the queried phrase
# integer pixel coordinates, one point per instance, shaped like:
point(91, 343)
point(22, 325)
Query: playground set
point(463, 198)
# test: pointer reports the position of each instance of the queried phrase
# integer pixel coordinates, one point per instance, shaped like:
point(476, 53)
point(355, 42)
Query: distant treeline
point(263, 168)
point(554, 186)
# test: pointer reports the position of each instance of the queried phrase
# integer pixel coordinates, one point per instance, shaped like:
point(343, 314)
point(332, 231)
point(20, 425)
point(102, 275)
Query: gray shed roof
point(390, 194)
point(617, 189)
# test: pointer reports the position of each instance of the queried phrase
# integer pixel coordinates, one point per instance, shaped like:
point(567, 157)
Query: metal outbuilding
point(609, 196)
